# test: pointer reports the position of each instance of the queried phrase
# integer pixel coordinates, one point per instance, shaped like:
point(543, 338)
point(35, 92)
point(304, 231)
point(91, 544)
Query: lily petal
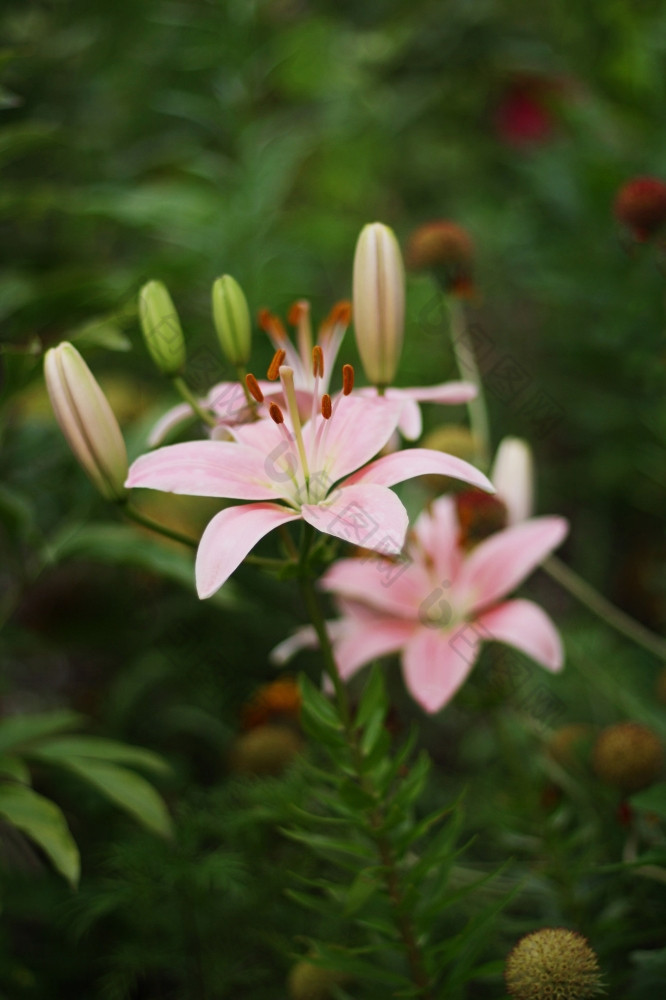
point(447, 392)
point(435, 663)
point(437, 532)
point(503, 561)
point(527, 627)
point(168, 421)
point(410, 424)
point(367, 515)
point(391, 469)
point(360, 642)
point(209, 469)
point(513, 476)
point(357, 431)
point(229, 537)
point(389, 586)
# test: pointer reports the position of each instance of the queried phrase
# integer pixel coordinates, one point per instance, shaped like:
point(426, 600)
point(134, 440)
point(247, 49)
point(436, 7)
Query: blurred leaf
point(19, 731)
point(100, 333)
point(651, 800)
point(42, 821)
point(126, 789)
point(15, 140)
point(15, 768)
point(62, 748)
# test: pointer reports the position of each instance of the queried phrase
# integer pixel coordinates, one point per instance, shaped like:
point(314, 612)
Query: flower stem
point(183, 389)
point(160, 529)
point(600, 606)
point(384, 849)
point(463, 349)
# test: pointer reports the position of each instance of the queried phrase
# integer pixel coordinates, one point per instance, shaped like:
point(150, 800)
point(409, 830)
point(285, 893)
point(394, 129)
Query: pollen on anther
point(326, 406)
point(272, 324)
point(253, 388)
point(347, 379)
point(317, 361)
point(273, 372)
point(340, 313)
point(297, 310)
point(276, 413)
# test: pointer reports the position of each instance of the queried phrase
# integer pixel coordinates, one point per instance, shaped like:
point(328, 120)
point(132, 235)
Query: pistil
point(287, 379)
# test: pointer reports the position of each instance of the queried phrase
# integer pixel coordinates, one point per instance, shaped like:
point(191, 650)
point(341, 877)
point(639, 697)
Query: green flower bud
point(161, 328)
point(379, 302)
point(232, 320)
point(86, 420)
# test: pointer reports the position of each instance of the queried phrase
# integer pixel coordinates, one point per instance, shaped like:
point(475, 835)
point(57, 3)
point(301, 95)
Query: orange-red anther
point(297, 310)
point(276, 413)
point(253, 388)
point(340, 313)
point(347, 379)
point(272, 324)
point(317, 361)
point(326, 407)
point(273, 372)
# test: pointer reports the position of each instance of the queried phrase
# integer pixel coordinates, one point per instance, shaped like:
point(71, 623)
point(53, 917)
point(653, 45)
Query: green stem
point(384, 848)
point(160, 529)
point(183, 389)
point(600, 606)
point(463, 349)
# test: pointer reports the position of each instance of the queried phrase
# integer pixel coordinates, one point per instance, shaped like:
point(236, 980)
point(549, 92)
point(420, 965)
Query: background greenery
point(181, 140)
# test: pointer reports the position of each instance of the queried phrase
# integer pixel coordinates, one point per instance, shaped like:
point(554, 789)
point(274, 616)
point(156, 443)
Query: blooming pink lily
point(315, 472)
point(443, 602)
point(410, 424)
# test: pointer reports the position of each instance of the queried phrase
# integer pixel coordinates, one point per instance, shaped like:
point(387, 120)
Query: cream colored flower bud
point(513, 477)
point(86, 420)
point(232, 320)
point(161, 328)
point(379, 302)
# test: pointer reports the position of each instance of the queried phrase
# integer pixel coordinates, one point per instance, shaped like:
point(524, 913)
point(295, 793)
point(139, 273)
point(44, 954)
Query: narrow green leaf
point(18, 731)
point(126, 789)
point(322, 844)
point(364, 886)
point(42, 821)
point(374, 700)
point(60, 749)
point(651, 800)
point(317, 706)
point(14, 768)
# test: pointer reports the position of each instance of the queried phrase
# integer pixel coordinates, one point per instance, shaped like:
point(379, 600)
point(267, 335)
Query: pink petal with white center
point(435, 663)
point(229, 537)
point(170, 420)
point(391, 586)
point(208, 469)
point(527, 627)
point(436, 533)
point(501, 562)
point(368, 515)
point(357, 431)
point(401, 465)
point(359, 642)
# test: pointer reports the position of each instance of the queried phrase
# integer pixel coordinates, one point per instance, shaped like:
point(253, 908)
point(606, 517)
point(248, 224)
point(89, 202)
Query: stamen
point(347, 379)
point(317, 361)
point(272, 324)
point(273, 372)
point(340, 313)
point(326, 406)
point(299, 316)
point(276, 413)
point(287, 379)
point(253, 388)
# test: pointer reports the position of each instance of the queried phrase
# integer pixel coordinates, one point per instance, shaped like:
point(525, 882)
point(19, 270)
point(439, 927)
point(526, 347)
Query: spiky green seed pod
point(161, 328)
point(231, 316)
point(552, 964)
point(628, 755)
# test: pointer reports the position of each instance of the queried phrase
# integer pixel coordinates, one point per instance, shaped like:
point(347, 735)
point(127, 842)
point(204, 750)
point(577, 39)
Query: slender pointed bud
point(513, 477)
point(161, 328)
point(379, 302)
point(273, 372)
point(326, 406)
point(254, 388)
point(86, 420)
point(347, 379)
point(232, 320)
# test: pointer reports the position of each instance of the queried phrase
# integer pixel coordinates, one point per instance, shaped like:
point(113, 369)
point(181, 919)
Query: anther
point(253, 388)
point(272, 324)
point(276, 413)
point(326, 407)
point(340, 313)
point(347, 379)
point(317, 361)
point(297, 311)
point(273, 372)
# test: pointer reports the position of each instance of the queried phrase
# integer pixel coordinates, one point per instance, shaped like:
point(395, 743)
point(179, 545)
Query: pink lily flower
point(410, 424)
point(316, 472)
point(227, 400)
point(442, 603)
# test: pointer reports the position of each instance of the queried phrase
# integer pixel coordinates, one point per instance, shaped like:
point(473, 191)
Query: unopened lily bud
point(231, 316)
point(553, 962)
point(161, 328)
point(512, 476)
point(628, 755)
point(379, 302)
point(86, 420)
